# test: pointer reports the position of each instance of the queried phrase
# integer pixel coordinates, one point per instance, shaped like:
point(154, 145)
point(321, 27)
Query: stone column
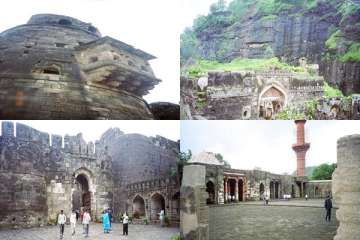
point(236, 189)
point(226, 190)
point(346, 187)
point(194, 214)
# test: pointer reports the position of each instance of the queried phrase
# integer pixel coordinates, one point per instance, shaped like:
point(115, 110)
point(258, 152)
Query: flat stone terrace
point(136, 232)
point(280, 220)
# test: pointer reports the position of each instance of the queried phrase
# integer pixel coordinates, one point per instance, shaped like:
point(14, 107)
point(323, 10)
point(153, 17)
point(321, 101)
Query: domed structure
point(57, 67)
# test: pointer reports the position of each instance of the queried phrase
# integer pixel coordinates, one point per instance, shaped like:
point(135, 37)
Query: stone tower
point(300, 147)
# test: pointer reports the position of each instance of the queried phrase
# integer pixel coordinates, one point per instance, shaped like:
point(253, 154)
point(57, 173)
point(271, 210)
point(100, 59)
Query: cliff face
point(288, 35)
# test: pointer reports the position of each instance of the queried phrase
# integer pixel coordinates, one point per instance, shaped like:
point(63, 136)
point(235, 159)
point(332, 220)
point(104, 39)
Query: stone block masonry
point(346, 188)
point(39, 177)
point(57, 67)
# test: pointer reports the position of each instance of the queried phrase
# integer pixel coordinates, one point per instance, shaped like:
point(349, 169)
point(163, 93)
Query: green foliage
point(188, 44)
point(176, 237)
point(290, 114)
point(323, 172)
point(219, 6)
point(239, 64)
point(269, 52)
point(222, 160)
point(331, 43)
point(353, 54)
point(330, 92)
point(348, 8)
point(146, 221)
point(184, 157)
point(269, 18)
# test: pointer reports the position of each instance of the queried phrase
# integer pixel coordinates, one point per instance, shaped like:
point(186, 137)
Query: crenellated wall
point(39, 173)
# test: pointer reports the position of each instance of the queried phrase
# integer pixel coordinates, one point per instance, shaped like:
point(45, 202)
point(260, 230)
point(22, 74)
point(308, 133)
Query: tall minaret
point(300, 147)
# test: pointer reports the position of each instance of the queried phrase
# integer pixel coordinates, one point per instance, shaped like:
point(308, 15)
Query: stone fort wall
point(38, 175)
point(237, 95)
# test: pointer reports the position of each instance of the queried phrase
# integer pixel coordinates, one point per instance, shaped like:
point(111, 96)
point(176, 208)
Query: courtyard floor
point(280, 220)
point(136, 232)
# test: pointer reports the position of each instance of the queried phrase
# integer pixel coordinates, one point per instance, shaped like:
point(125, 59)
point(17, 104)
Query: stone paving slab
point(249, 222)
point(136, 232)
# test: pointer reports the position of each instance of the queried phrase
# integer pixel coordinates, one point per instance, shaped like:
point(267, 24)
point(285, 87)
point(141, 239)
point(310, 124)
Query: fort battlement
point(72, 144)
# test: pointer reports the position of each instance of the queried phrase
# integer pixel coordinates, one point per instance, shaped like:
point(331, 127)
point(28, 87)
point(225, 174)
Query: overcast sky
point(92, 130)
point(265, 144)
point(150, 25)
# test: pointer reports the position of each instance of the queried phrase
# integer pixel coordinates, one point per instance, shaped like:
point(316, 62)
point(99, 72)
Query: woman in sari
point(106, 222)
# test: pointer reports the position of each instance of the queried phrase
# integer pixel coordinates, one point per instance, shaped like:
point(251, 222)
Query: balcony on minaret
point(115, 64)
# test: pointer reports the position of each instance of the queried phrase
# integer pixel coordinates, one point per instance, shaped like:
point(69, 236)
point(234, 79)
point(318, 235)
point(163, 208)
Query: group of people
point(74, 217)
point(84, 215)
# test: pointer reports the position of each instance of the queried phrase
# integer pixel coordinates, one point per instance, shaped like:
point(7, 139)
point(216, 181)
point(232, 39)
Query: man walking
point(73, 219)
point(86, 222)
point(125, 224)
point(328, 207)
point(61, 223)
point(266, 199)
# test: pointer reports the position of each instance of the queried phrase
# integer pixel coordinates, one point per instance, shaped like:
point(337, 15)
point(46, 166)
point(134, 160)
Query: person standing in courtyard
point(125, 224)
point(328, 207)
point(106, 221)
point(267, 199)
point(73, 220)
point(110, 217)
point(306, 197)
point(162, 218)
point(86, 221)
point(61, 223)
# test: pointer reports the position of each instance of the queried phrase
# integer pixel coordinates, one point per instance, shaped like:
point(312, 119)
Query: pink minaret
point(300, 147)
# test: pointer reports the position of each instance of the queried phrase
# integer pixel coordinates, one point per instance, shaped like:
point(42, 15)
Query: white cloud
point(148, 25)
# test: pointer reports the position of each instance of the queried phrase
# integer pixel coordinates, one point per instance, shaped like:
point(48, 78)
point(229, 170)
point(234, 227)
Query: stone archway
point(81, 195)
point(210, 189)
point(232, 187)
point(262, 191)
point(157, 204)
point(83, 191)
point(138, 205)
point(271, 101)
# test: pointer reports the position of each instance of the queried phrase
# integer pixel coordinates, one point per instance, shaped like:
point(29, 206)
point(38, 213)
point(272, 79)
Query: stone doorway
point(138, 207)
point(157, 204)
point(241, 190)
point(277, 190)
point(210, 189)
point(271, 102)
point(262, 191)
point(81, 196)
point(232, 186)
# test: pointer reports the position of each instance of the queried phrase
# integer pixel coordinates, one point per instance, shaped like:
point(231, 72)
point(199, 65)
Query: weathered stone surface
point(346, 189)
point(165, 111)
point(193, 211)
point(248, 95)
point(37, 179)
point(57, 67)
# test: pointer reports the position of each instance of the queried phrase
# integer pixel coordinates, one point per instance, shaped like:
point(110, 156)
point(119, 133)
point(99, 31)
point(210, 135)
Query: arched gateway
point(271, 101)
point(82, 190)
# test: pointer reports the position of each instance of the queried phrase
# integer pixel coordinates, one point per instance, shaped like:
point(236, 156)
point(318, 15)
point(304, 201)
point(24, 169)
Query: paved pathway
point(295, 220)
point(136, 232)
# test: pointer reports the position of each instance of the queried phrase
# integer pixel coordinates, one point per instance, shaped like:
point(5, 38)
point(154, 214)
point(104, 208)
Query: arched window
point(65, 22)
point(51, 70)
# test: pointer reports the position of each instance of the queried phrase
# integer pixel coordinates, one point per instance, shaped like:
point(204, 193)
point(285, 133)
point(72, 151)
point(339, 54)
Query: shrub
point(331, 43)
point(353, 54)
point(330, 92)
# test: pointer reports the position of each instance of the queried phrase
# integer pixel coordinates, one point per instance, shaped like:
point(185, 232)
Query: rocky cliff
point(288, 30)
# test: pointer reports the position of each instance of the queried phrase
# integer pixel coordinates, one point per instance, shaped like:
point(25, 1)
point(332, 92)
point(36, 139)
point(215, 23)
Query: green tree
point(323, 172)
point(188, 45)
point(184, 157)
point(222, 160)
point(220, 6)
